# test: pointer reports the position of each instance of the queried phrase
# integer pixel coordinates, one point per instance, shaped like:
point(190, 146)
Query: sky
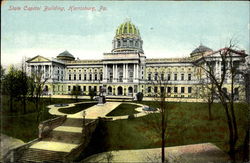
point(168, 29)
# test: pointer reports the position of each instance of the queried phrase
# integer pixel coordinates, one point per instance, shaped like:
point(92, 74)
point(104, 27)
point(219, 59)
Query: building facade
point(125, 70)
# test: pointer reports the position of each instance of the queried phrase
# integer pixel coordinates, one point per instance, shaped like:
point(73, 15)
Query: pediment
point(39, 59)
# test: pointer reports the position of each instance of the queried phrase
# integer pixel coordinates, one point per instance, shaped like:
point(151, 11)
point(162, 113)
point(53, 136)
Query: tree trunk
point(246, 147)
point(11, 104)
point(209, 110)
point(24, 105)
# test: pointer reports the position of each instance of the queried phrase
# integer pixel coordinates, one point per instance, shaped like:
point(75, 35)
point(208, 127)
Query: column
point(134, 73)
point(127, 72)
point(49, 71)
point(124, 71)
point(116, 72)
point(137, 71)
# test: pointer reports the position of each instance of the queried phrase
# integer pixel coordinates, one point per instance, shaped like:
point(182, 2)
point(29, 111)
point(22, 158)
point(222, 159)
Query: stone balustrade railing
point(47, 126)
point(86, 137)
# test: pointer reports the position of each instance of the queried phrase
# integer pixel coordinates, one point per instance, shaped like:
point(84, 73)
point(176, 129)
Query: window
point(189, 76)
point(156, 76)
point(90, 76)
point(74, 76)
point(131, 43)
point(95, 76)
point(84, 88)
point(175, 89)
point(69, 76)
point(155, 89)
point(68, 88)
point(169, 89)
point(85, 76)
point(189, 89)
point(80, 77)
point(162, 76)
point(169, 76)
point(175, 76)
point(182, 76)
point(149, 76)
point(162, 89)
point(101, 77)
point(149, 89)
point(182, 89)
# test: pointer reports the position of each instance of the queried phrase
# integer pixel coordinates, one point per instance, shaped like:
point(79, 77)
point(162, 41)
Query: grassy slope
point(25, 126)
point(188, 124)
point(124, 109)
point(77, 108)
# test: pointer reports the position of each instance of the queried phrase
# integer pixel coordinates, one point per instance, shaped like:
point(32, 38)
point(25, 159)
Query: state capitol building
point(126, 71)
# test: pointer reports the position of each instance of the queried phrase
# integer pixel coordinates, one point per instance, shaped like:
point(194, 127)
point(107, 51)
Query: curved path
point(98, 111)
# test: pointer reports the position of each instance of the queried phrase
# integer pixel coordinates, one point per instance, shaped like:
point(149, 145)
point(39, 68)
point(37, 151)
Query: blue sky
point(168, 29)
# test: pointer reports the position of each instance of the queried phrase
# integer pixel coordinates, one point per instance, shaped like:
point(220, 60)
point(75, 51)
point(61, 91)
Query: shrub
point(139, 96)
point(131, 116)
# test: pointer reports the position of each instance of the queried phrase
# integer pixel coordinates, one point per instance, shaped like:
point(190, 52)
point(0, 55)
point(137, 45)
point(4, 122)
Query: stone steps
point(38, 155)
point(64, 137)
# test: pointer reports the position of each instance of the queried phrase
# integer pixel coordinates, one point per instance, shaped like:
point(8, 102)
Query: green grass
point(188, 123)
point(77, 108)
point(124, 109)
point(25, 126)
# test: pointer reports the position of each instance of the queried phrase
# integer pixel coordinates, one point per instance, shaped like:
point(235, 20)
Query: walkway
point(98, 111)
point(196, 153)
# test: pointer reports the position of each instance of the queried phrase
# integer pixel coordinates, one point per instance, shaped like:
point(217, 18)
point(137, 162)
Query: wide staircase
point(38, 155)
point(34, 154)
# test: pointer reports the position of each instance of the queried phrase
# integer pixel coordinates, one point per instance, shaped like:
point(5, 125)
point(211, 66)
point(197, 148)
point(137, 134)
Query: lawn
point(77, 108)
point(124, 109)
point(188, 123)
point(25, 126)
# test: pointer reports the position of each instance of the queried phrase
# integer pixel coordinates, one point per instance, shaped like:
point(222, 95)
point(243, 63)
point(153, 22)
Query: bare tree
point(37, 85)
point(206, 90)
point(160, 122)
point(228, 74)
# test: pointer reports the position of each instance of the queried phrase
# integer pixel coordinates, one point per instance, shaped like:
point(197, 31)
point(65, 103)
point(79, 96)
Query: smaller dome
point(200, 50)
point(65, 56)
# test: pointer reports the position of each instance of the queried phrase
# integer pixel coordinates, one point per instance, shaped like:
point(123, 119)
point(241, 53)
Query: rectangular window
point(162, 76)
point(90, 76)
point(182, 76)
point(95, 88)
point(156, 76)
point(80, 77)
point(95, 76)
point(169, 76)
point(89, 88)
point(175, 76)
point(182, 89)
point(162, 89)
point(149, 76)
point(155, 89)
point(85, 77)
point(69, 76)
point(84, 88)
point(101, 77)
point(189, 89)
point(68, 88)
point(169, 89)
point(149, 89)
point(74, 76)
point(189, 76)
point(175, 89)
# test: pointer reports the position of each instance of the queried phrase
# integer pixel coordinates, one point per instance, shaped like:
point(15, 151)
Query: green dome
point(127, 28)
